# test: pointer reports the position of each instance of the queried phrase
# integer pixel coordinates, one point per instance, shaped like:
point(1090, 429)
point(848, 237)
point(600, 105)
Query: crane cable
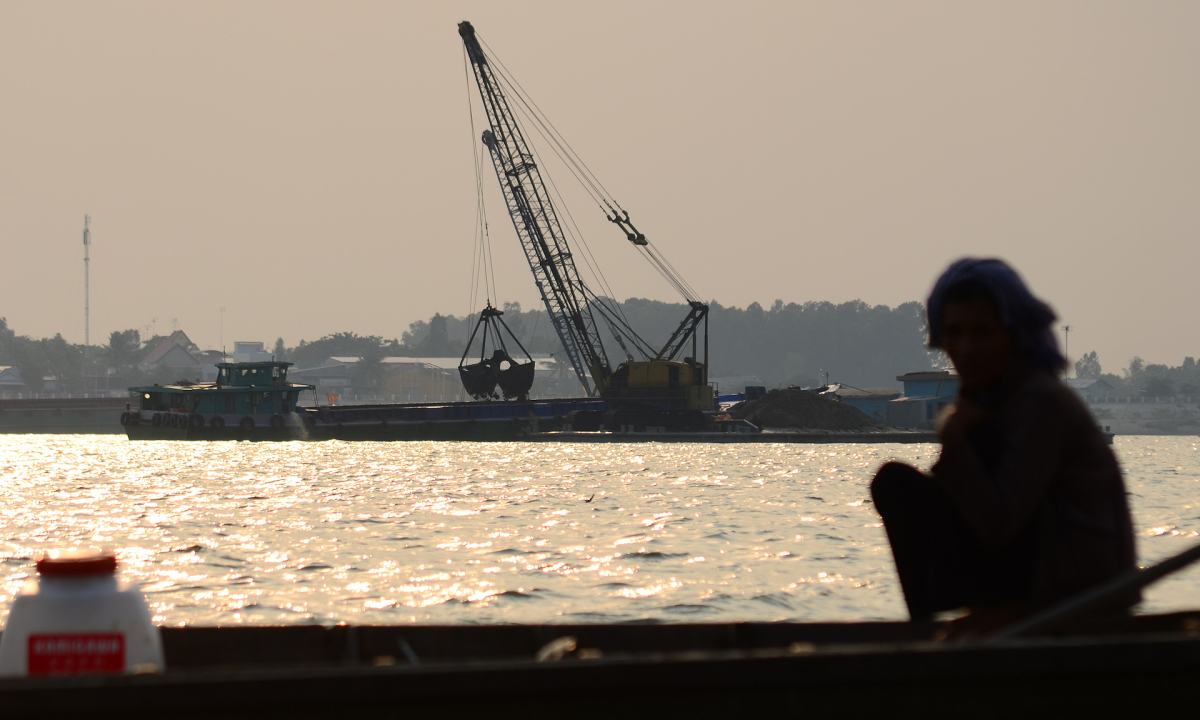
point(483, 239)
point(572, 227)
point(482, 267)
point(657, 261)
point(611, 311)
point(585, 176)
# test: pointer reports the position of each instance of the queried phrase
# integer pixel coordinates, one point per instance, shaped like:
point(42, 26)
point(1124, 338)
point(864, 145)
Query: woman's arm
point(998, 508)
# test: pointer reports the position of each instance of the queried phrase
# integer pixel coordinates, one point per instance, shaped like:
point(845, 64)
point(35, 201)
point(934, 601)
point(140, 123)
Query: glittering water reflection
point(220, 533)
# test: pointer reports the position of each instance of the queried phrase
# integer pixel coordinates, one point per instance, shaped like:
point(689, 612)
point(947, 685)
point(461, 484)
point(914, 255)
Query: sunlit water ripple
point(381, 533)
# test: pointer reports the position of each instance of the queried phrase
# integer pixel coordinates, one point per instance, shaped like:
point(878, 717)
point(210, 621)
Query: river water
point(430, 532)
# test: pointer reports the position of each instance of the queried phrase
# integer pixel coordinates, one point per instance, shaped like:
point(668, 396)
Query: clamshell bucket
point(517, 379)
point(480, 379)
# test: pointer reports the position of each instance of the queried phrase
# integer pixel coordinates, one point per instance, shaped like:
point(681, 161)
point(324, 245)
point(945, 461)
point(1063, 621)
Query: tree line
point(785, 344)
point(75, 367)
point(1142, 378)
point(41, 358)
point(855, 343)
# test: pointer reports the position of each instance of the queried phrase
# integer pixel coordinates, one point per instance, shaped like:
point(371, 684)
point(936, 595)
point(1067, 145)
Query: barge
point(255, 401)
point(69, 415)
point(480, 421)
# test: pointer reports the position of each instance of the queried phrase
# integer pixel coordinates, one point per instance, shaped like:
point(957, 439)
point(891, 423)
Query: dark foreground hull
point(665, 671)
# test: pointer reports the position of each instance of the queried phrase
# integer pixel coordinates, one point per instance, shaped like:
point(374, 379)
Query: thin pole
point(87, 244)
point(1097, 598)
point(1067, 347)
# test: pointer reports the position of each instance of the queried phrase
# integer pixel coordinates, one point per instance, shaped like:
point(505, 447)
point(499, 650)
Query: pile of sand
point(795, 408)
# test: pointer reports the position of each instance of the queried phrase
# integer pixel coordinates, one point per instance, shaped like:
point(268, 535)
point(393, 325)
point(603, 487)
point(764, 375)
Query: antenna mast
point(87, 244)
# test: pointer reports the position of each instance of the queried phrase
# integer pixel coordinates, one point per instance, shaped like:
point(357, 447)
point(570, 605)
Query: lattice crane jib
point(538, 227)
point(663, 376)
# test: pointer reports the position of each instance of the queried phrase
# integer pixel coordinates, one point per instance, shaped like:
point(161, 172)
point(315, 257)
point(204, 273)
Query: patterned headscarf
point(1026, 317)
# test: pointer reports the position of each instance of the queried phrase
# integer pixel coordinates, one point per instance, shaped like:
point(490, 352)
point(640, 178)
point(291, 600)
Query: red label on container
point(76, 654)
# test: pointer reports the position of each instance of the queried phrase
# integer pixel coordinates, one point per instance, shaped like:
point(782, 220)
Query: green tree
point(368, 371)
point(345, 344)
point(437, 342)
point(1159, 387)
point(1135, 369)
point(280, 351)
point(7, 337)
point(25, 356)
point(1088, 366)
point(124, 348)
point(1121, 386)
point(62, 360)
point(859, 344)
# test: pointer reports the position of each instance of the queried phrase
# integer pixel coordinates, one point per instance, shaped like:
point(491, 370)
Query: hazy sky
point(308, 165)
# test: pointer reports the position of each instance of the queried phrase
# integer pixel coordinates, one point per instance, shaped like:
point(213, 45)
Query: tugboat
point(249, 401)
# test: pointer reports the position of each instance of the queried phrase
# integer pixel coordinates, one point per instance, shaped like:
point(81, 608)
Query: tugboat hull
point(147, 432)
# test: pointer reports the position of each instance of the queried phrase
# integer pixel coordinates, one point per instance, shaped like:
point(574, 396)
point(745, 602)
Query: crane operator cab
point(662, 383)
point(662, 395)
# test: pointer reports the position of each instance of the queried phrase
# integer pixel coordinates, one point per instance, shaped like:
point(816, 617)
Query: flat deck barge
point(255, 401)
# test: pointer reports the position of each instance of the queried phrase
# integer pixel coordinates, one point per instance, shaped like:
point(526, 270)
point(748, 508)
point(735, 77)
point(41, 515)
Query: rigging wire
point(537, 318)
point(572, 227)
point(482, 267)
point(664, 268)
point(608, 308)
point(473, 294)
point(487, 237)
point(573, 230)
point(583, 174)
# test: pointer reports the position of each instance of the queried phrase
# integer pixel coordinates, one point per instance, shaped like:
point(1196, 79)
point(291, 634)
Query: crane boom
point(660, 379)
point(538, 227)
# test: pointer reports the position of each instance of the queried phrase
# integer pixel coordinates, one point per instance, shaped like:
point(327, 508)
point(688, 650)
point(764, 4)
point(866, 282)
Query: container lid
point(76, 563)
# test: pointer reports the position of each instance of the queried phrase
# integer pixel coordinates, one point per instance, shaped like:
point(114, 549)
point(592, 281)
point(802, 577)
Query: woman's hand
point(954, 425)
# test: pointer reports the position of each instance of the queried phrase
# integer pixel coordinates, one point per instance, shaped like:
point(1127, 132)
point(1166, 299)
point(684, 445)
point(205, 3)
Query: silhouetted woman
point(1026, 505)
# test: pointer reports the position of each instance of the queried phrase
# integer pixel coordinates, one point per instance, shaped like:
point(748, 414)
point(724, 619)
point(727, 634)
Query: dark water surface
point(267, 533)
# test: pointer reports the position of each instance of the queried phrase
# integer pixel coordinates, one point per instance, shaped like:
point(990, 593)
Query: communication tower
point(87, 244)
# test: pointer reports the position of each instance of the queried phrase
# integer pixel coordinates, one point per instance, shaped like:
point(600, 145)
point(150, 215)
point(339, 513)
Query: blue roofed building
point(925, 395)
point(873, 402)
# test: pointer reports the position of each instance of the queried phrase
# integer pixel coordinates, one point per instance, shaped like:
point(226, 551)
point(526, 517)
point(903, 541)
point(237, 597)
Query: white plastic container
point(76, 619)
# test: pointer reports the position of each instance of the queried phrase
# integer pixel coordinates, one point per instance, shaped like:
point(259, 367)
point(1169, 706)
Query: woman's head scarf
point(1026, 317)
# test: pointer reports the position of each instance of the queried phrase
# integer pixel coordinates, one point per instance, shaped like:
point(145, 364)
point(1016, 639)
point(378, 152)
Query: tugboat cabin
point(245, 395)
